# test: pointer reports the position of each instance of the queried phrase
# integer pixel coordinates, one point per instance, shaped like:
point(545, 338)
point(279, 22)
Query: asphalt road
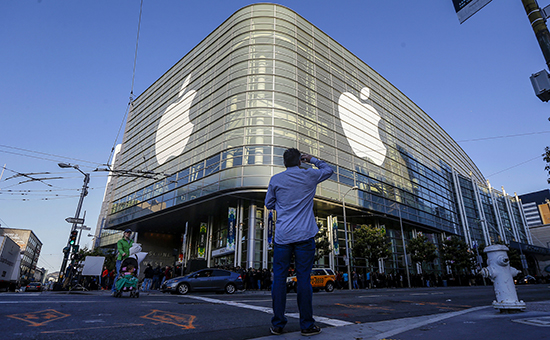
point(244, 315)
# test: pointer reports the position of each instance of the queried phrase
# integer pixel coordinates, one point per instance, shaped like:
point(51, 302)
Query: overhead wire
point(507, 136)
point(42, 153)
point(131, 88)
point(503, 136)
point(514, 166)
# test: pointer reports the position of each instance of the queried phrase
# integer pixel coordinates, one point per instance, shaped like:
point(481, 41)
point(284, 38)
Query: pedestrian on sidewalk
point(148, 281)
point(345, 278)
point(104, 278)
point(157, 277)
point(291, 194)
point(123, 252)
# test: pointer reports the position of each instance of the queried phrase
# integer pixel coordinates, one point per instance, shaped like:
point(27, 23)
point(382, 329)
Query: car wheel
point(183, 288)
point(230, 288)
point(329, 287)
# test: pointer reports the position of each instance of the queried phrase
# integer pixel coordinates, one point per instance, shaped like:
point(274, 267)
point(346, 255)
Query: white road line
point(46, 301)
point(426, 322)
point(327, 321)
point(254, 300)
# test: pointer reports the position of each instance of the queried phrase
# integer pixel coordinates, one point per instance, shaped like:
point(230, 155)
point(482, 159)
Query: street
point(244, 315)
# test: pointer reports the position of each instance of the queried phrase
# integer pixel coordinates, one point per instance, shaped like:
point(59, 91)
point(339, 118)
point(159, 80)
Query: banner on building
point(270, 230)
point(335, 236)
point(202, 241)
point(231, 219)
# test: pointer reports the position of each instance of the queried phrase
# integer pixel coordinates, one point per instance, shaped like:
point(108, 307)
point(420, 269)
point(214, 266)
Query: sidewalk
point(474, 323)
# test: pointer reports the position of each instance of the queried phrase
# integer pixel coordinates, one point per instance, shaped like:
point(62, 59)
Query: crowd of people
point(253, 279)
point(153, 277)
point(262, 279)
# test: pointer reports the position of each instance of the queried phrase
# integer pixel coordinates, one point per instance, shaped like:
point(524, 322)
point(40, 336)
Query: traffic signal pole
point(83, 194)
point(538, 23)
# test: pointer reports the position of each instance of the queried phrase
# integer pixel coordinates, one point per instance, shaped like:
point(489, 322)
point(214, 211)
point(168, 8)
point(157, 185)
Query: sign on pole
point(466, 8)
point(74, 220)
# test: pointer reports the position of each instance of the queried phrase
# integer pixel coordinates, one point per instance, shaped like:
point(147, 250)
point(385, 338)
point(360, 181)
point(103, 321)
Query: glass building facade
point(211, 131)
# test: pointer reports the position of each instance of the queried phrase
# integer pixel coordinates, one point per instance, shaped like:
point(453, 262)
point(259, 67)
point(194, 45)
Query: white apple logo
point(175, 125)
point(360, 124)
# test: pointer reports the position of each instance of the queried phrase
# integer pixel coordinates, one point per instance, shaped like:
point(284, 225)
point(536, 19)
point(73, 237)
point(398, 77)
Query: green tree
point(371, 243)
point(422, 251)
point(456, 254)
point(322, 244)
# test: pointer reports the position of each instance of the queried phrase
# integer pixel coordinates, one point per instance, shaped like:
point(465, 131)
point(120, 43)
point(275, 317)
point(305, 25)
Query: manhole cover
point(541, 322)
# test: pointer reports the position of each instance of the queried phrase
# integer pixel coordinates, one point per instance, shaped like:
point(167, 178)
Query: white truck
point(10, 263)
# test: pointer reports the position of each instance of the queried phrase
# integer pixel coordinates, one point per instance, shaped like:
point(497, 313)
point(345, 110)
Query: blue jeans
point(146, 286)
point(304, 253)
point(155, 282)
point(117, 266)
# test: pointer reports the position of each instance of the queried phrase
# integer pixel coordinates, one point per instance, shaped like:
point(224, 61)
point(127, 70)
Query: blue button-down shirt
point(291, 194)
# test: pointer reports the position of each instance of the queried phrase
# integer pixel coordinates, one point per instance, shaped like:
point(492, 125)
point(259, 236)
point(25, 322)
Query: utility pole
point(537, 19)
point(538, 23)
point(83, 194)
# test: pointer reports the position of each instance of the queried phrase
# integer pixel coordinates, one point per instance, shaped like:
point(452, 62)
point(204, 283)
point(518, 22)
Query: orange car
point(321, 278)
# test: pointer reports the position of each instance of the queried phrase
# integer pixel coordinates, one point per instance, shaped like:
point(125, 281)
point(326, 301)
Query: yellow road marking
point(39, 318)
point(181, 320)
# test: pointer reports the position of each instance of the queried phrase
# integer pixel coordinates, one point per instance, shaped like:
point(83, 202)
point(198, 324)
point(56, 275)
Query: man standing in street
point(291, 194)
point(123, 252)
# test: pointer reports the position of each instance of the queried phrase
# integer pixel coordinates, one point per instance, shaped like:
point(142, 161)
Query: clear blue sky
point(66, 73)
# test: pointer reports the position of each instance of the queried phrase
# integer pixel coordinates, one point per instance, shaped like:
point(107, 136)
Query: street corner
point(39, 318)
point(184, 321)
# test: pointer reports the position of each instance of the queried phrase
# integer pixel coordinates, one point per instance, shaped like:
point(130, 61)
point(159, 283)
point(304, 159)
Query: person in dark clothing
point(148, 281)
point(157, 274)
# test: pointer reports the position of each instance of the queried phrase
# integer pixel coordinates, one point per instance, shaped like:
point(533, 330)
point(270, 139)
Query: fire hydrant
point(502, 274)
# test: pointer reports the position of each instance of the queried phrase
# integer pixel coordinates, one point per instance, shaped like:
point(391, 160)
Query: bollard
point(499, 271)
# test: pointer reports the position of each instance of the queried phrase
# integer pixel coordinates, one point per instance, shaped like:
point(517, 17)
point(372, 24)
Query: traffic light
point(75, 248)
point(72, 238)
point(66, 249)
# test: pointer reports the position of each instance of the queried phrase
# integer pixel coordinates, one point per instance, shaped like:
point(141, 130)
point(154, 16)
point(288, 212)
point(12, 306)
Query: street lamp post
point(83, 194)
point(346, 234)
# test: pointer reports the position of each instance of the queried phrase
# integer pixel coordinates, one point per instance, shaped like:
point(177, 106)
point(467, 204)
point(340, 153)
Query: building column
point(331, 241)
point(460, 202)
point(209, 229)
point(511, 216)
point(188, 244)
point(251, 234)
point(239, 236)
point(265, 248)
point(497, 215)
point(483, 220)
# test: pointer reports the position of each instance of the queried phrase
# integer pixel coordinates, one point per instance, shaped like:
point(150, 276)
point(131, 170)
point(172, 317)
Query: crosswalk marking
point(327, 321)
